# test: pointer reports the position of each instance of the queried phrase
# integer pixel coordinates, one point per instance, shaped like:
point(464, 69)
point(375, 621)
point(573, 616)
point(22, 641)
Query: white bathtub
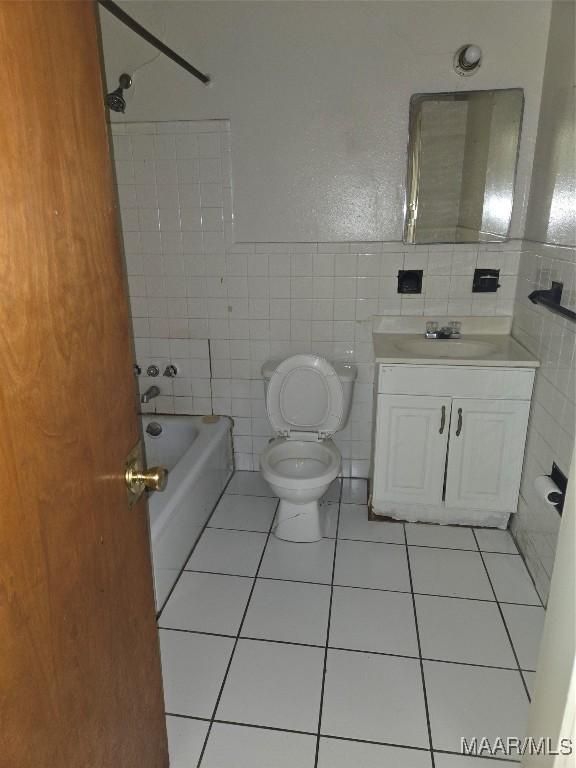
point(199, 460)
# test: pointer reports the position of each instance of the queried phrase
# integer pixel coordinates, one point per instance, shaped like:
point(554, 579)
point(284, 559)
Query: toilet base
point(298, 522)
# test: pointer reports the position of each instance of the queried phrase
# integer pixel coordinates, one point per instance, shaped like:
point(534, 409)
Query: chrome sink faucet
point(450, 331)
point(150, 393)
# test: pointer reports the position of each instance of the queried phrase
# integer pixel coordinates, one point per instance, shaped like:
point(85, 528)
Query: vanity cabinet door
point(410, 451)
point(486, 452)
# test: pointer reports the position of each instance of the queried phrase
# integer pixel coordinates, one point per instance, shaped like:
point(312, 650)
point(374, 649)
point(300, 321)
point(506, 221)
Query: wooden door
point(410, 450)
point(80, 681)
point(486, 453)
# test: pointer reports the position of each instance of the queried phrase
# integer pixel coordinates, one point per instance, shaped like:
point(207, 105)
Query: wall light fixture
point(467, 59)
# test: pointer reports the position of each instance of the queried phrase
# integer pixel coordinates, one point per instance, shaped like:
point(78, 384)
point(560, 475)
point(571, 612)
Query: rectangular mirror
point(462, 155)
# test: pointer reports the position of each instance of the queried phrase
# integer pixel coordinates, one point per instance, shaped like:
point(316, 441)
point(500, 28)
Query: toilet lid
point(305, 395)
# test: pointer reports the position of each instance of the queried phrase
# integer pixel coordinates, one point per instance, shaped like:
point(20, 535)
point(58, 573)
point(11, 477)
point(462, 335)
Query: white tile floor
point(377, 647)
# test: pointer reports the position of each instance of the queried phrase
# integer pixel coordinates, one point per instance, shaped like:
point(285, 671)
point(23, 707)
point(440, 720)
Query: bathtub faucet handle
point(170, 371)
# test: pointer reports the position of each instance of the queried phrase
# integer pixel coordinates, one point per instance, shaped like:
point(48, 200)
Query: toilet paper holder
point(558, 477)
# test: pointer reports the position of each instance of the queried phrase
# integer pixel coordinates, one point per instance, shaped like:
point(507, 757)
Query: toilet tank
point(346, 372)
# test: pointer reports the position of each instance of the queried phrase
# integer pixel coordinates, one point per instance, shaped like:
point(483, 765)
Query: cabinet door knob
point(443, 420)
point(459, 428)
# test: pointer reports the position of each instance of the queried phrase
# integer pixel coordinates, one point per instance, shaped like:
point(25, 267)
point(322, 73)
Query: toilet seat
point(305, 399)
point(300, 464)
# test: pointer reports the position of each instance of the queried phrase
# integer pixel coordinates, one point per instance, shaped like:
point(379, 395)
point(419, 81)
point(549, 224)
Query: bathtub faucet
point(149, 394)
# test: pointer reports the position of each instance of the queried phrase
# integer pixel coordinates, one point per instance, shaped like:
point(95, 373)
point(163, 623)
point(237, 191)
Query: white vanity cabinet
point(449, 442)
point(410, 450)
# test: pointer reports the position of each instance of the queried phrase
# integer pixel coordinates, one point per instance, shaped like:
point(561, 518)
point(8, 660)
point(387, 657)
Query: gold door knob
point(154, 478)
point(137, 478)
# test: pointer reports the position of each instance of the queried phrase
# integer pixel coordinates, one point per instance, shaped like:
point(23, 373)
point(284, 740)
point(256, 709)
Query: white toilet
point(308, 400)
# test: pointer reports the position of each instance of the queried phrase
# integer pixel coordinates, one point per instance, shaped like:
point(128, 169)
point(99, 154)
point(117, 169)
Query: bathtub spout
point(149, 394)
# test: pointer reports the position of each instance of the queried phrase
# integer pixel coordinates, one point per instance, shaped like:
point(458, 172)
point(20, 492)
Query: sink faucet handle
point(431, 329)
point(455, 327)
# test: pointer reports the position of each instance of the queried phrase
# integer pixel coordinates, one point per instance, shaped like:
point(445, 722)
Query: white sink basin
point(447, 348)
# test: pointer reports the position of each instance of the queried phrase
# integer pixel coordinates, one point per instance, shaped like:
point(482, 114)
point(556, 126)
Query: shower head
point(115, 100)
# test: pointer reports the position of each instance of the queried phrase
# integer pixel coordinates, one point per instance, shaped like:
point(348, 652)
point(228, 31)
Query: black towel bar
point(551, 300)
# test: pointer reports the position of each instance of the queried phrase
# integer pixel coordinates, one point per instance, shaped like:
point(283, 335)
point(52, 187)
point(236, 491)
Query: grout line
point(496, 552)
point(377, 743)
point(342, 648)
point(257, 495)
point(210, 379)
point(352, 586)
point(323, 687)
point(225, 678)
point(189, 555)
point(474, 599)
point(238, 530)
point(264, 727)
point(223, 573)
point(280, 642)
point(479, 757)
point(426, 706)
point(504, 530)
point(188, 717)
point(261, 727)
point(424, 658)
point(197, 632)
point(468, 664)
point(505, 626)
point(532, 579)
point(371, 541)
point(254, 639)
point(267, 578)
point(418, 546)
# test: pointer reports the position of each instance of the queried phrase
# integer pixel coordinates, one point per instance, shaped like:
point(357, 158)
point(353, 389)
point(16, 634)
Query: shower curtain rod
point(122, 16)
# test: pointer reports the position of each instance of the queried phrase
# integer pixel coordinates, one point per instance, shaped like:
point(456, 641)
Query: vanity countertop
point(486, 342)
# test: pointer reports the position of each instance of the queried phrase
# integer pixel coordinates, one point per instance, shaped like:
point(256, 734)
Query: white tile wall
point(218, 309)
point(552, 417)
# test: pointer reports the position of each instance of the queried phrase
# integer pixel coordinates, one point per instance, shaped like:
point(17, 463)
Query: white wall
point(317, 94)
point(552, 423)
point(219, 309)
point(552, 221)
point(554, 700)
point(552, 209)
